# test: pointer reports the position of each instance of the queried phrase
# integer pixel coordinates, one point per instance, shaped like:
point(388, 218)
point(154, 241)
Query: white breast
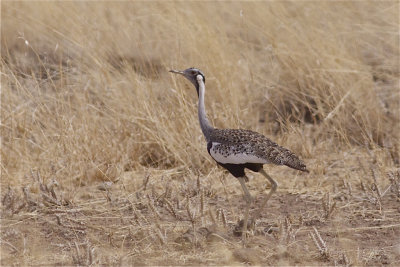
point(229, 156)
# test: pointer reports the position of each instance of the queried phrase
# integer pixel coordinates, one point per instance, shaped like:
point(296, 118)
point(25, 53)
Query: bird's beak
point(177, 71)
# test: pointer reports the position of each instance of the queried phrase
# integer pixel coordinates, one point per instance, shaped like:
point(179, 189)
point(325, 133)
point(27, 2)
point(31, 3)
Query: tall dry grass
point(86, 92)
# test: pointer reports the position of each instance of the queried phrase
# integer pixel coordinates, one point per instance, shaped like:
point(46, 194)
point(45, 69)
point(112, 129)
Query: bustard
point(237, 149)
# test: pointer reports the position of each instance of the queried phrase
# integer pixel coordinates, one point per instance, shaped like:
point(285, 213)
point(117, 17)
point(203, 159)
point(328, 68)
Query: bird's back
point(237, 146)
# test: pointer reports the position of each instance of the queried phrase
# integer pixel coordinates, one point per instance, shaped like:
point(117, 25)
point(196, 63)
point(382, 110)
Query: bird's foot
point(239, 228)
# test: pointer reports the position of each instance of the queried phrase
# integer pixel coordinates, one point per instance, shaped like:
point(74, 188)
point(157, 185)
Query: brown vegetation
point(102, 157)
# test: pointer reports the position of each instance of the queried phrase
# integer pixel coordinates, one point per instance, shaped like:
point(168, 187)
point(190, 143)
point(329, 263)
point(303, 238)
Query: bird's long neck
point(204, 123)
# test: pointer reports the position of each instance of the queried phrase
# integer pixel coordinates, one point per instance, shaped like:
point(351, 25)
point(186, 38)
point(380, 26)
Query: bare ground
point(149, 218)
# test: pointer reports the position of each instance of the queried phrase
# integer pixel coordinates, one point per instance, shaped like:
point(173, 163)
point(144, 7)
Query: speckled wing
point(236, 146)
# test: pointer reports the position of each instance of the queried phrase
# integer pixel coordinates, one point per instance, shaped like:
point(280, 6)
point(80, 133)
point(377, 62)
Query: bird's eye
point(193, 72)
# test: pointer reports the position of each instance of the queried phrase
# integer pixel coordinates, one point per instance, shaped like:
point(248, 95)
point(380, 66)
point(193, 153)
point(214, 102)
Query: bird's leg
point(249, 201)
point(274, 186)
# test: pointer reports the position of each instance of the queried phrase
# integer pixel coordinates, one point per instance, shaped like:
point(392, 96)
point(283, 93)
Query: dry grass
point(102, 158)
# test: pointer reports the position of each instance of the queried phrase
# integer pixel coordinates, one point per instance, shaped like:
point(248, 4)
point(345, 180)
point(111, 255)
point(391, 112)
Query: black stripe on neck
point(197, 88)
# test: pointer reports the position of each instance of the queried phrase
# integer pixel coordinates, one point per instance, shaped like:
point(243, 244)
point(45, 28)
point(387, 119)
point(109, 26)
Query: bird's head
point(191, 74)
